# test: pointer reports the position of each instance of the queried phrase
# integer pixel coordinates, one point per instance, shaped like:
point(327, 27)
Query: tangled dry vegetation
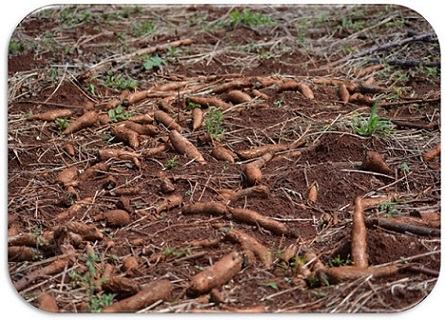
point(224, 158)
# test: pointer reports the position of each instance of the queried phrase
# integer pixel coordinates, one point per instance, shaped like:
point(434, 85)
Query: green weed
point(61, 123)
point(250, 19)
point(119, 82)
point(15, 46)
point(213, 122)
point(95, 302)
point(171, 163)
point(371, 125)
point(338, 261)
point(153, 62)
point(118, 114)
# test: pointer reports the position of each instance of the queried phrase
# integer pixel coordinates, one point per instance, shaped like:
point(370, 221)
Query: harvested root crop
point(343, 93)
point(221, 153)
point(361, 99)
point(254, 218)
point(93, 171)
point(127, 136)
point(252, 170)
point(142, 129)
point(119, 154)
point(122, 286)
point(51, 115)
point(137, 97)
point(216, 275)
point(164, 118)
point(168, 203)
point(206, 102)
point(69, 176)
point(209, 208)
point(155, 291)
point(255, 152)
point(88, 119)
point(429, 155)
point(183, 146)
point(237, 97)
point(340, 274)
point(249, 243)
point(46, 302)
point(232, 85)
point(198, 117)
point(375, 162)
point(359, 253)
point(114, 218)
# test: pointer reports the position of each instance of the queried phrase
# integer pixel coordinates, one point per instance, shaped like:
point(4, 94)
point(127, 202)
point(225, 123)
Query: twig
point(382, 47)
point(403, 227)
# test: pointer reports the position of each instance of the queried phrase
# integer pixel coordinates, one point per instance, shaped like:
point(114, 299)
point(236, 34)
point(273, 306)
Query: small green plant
point(119, 82)
point(250, 19)
point(145, 28)
point(278, 102)
point(86, 280)
point(152, 62)
point(213, 122)
point(404, 167)
point(338, 261)
point(15, 46)
point(61, 123)
point(172, 251)
point(388, 208)
point(272, 285)
point(171, 163)
point(118, 114)
point(371, 125)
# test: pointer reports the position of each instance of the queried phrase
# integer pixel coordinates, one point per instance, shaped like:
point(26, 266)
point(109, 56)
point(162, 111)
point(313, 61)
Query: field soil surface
point(216, 158)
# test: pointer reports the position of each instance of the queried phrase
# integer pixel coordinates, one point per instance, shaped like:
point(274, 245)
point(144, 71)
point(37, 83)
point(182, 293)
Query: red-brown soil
point(68, 254)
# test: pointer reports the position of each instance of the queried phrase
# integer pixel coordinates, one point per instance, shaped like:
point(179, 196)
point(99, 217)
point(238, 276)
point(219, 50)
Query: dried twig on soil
point(393, 225)
point(218, 274)
point(155, 291)
point(385, 46)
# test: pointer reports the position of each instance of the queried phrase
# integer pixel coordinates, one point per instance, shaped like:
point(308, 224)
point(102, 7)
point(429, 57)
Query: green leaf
point(272, 285)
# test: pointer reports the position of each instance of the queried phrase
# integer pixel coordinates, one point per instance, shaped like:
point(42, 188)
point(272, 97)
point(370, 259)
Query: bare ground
point(100, 219)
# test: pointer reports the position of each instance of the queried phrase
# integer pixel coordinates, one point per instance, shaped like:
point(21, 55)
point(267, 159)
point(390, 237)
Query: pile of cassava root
point(165, 125)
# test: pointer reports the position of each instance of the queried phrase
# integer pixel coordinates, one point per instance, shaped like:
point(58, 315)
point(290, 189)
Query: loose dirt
point(97, 219)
